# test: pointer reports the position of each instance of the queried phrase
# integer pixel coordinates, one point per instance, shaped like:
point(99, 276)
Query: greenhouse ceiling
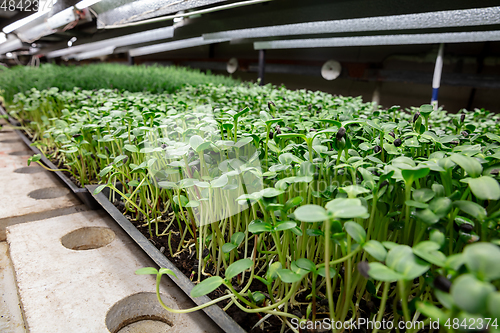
point(67, 28)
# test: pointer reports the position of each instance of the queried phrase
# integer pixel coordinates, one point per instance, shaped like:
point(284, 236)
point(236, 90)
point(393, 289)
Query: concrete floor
point(48, 287)
point(81, 286)
point(10, 143)
point(11, 319)
point(22, 189)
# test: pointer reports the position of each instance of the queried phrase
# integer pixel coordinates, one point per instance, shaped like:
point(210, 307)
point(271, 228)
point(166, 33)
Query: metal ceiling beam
point(131, 11)
point(11, 45)
point(441, 19)
point(175, 45)
point(406, 39)
point(275, 13)
point(136, 38)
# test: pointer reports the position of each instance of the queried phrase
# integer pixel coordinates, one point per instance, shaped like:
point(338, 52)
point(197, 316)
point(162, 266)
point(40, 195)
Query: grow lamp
point(176, 45)
point(449, 37)
point(136, 38)
point(58, 20)
point(441, 19)
point(62, 18)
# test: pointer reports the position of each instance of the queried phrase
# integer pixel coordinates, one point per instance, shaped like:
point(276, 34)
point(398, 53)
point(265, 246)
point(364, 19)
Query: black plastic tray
point(11, 120)
point(82, 193)
point(221, 318)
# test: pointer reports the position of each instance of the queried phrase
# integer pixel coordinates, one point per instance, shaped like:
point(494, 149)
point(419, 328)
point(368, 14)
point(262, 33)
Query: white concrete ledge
point(15, 190)
point(11, 320)
point(64, 290)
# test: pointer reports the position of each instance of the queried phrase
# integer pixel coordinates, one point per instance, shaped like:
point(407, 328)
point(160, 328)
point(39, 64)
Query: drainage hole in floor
point(139, 313)
point(88, 238)
point(32, 169)
point(48, 193)
point(148, 324)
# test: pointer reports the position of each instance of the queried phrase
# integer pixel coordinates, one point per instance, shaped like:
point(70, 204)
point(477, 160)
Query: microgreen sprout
point(353, 212)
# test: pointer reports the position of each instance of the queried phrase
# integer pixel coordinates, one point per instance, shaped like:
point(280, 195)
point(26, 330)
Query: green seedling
point(351, 204)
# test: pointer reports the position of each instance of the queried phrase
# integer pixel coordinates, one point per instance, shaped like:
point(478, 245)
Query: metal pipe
point(262, 66)
point(10, 45)
point(436, 81)
point(406, 39)
point(169, 46)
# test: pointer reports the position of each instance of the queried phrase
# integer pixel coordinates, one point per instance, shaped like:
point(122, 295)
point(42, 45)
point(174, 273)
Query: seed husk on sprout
point(269, 104)
point(415, 117)
point(363, 268)
point(278, 129)
point(466, 227)
point(442, 283)
point(340, 133)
